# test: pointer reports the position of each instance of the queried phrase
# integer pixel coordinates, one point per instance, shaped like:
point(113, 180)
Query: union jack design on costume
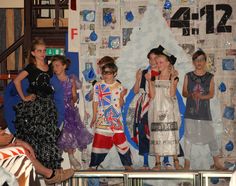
point(112, 118)
point(104, 94)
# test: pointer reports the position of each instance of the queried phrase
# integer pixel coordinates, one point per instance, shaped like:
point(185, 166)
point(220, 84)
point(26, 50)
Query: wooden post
point(57, 9)
point(28, 26)
point(21, 57)
point(10, 38)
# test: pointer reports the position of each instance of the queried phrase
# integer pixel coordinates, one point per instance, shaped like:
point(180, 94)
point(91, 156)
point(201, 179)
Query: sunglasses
point(107, 73)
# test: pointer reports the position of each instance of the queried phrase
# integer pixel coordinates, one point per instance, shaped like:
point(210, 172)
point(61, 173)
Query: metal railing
point(206, 175)
point(138, 178)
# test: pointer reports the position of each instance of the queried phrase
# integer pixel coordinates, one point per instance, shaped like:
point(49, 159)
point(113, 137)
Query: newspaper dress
point(164, 120)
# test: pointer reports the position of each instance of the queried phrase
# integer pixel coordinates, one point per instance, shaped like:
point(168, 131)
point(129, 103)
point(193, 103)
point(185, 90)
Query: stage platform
point(149, 178)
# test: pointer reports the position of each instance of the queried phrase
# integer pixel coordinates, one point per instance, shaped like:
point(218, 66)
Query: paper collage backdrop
point(128, 29)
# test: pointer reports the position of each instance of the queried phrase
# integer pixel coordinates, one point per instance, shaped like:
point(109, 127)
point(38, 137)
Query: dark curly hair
point(62, 59)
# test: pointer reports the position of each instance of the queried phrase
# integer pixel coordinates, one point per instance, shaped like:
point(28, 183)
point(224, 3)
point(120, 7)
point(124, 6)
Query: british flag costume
point(108, 126)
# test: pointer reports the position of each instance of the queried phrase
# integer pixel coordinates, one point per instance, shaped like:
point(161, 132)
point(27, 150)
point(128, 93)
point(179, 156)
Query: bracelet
point(13, 140)
point(176, 78)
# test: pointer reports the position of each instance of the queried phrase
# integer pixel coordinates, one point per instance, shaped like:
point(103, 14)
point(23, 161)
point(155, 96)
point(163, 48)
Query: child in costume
point(107, 119)
point(198, 88)
point(104, 60)
point(142, 87)
point(165, 116)
point(36, 115)
point(74, 134)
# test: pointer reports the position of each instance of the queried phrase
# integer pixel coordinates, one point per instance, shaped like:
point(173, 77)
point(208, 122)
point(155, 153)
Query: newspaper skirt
point(164, 121)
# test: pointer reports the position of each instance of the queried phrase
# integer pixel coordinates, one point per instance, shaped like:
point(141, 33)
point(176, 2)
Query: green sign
point(54, 51)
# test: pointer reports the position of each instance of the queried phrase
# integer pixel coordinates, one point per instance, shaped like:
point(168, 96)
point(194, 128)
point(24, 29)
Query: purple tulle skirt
point(74, 134)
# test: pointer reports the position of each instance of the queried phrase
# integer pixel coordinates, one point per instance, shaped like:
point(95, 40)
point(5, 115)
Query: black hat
point(171, 58)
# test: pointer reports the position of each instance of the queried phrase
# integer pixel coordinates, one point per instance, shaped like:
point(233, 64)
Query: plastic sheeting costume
point(74, 134)
point(198, 119)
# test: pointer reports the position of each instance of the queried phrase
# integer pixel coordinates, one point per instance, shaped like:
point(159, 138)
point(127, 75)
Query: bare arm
point(17, 83)
point(150, 85)
point(29, 150)
point(173, 87)
point(174, 82)
point(138, 81)
point(95, 109)
point(122, 95)
point(185, 87)
point(8, 140)
point(18, 86)
point(5, 139)
point(151, 89)
point(74, 95)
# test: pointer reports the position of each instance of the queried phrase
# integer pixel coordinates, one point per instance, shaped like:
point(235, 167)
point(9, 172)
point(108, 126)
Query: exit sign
point(54, 51)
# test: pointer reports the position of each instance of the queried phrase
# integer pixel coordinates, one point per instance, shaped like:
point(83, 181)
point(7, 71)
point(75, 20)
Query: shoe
point(144, 167)
point(168, 166)
point(157, 166)
point(177, 165)
point(219, 167)
point(60, 176)
point(128, 168)
point(74, 162)
point(92, 169)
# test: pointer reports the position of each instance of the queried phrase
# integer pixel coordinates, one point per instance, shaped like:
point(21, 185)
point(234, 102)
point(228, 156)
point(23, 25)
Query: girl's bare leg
point(176, 162)
point(158, 163)
point(73, 161)
point(186, 164)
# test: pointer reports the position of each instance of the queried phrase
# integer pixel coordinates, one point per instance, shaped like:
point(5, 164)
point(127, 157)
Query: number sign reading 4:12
point(182, 17)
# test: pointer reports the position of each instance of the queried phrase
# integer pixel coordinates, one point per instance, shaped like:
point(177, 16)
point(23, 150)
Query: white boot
point(74, 162)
